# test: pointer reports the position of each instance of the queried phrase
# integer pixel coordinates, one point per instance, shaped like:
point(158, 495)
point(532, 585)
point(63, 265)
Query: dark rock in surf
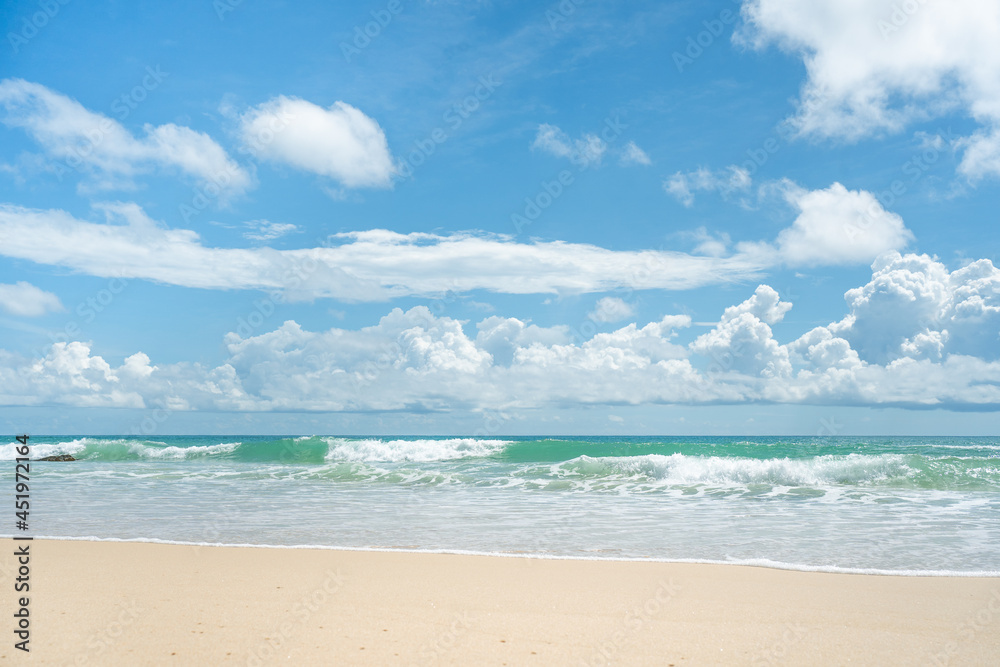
point(58, 457)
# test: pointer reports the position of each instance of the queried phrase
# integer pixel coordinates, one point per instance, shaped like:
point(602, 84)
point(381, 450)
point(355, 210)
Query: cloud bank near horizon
point(916, 336)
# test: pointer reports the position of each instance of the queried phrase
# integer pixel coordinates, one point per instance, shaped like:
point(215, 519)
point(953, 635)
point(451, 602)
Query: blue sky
point(768, 216)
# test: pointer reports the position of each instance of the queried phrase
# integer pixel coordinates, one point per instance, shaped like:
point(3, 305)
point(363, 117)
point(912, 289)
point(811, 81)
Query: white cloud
point(340, 142)
point(982, 154)
point(682, 186)
point(71, 375)
point(611, 309)
point(877, 65)
point(632, 154)
point(765, 305)
point(940, 349)
point(106, 151)
point(25, 300)
point(743, 341)
point(130, 245)
point(502, 336)
point(715, 245)
point(265, 230)
point(914, 307)
point(379, 264)
point(839, 226)
point(356, 266)
point(588, 150)
point(584, 152)
point(821, 349)
point(834, 225)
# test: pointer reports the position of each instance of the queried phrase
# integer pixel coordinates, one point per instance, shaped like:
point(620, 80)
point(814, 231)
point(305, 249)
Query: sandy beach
point(100, 603)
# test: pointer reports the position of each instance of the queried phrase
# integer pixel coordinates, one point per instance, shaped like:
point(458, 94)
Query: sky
point(490, 218)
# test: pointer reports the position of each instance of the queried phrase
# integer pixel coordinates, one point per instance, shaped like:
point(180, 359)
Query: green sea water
point(901, 504)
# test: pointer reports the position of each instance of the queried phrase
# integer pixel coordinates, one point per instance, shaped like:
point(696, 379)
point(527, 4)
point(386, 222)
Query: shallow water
point(905, 505)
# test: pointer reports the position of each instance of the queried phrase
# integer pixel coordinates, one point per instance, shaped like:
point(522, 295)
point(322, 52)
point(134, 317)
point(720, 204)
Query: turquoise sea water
point(906, 504)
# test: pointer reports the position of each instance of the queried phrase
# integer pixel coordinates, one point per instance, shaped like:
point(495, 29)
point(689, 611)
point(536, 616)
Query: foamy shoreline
point(104, 602)
point(752, 562)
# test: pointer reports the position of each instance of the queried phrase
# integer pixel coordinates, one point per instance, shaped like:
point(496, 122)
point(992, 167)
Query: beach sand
point(107, 603)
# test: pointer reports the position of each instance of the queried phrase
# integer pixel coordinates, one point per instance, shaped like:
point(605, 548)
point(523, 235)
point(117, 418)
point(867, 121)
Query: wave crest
point(392, 451)
point(678, 469)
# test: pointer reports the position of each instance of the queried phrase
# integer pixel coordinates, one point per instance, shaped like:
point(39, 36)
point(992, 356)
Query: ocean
point(903, 505)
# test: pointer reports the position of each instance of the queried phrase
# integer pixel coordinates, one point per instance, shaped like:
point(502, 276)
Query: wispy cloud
point(26, 300)
point(611, 309)
point(632, 154)
point(682, 186)
point(265, 230)
point(107, 153)
point(586, 151)
point(834, 226)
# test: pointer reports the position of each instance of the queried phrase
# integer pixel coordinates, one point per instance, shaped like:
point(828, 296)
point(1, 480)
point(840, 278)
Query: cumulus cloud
point(70, 374)
point(682, 186)
point(839, 226)
point(105, 151)
point(611, 309)
point(339, 142)
point(765, 305)
point(917, 336)
point(586, 151)
point(743, 342)
point(833, 226)
point(875, 66)
point(915, 308)
point(25, 300)
point(501, 337)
